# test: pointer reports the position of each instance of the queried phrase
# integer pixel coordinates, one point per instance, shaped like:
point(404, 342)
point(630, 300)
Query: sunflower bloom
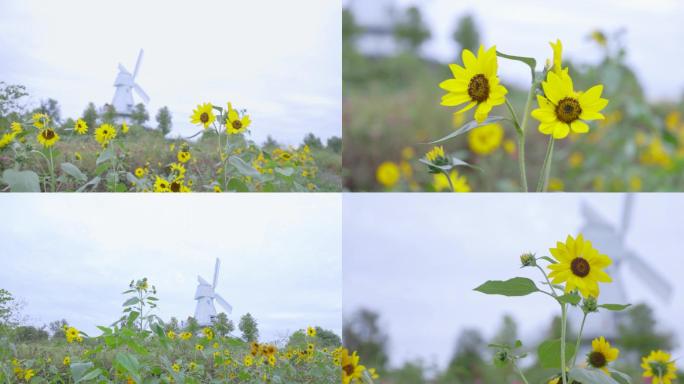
point(235, 124)
point(40, 120)
point(104, 134)
point(124, 128)
point(388, 174)
point(351, 369)
point(161, 185)
point(486, 139)
point(580, 266)
point(47, 137)
point(601, 354)
point(203, 114)
point(459, 182)
point(311, 332)
point(81, 127)
point(660, 367)
point(476, 84)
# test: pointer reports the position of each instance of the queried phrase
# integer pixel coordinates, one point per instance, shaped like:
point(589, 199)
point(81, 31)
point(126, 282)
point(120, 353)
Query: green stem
point(546, 167)
point(521, 145)
point(521, 136)
point(579, 340)
point(52, 172)
point(522, 376)
point(449, 180)
point(553, 290)
point(564, 321)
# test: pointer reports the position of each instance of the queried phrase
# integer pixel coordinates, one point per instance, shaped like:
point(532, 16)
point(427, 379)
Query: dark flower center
point(48, 134)
point(204, 117)
point(568, 110)
point(237, 124)
point(580, 267)
point(478, 88)
point(175, 186)
point(597, 359)
point(348, 369)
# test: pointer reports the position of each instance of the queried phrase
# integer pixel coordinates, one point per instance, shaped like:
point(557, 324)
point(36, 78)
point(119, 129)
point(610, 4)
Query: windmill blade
point(141, 93)
point(223, 303)
point(627, 214)
point(202, 281)
point(137, 63)
point(651, 277)
point(216, 271)
point(123, 69)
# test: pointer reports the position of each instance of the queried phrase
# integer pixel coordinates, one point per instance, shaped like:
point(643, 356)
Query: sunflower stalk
point(520, 373)
point(451, 185)
point(52, 171)
point(546, 167)
point(579, 339)
point(564, 322)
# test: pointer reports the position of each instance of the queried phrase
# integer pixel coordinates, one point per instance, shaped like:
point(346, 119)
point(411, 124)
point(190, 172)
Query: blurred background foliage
point(472, 360)
point(392, 104)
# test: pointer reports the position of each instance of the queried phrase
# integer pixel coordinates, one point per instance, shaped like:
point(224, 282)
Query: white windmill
point(610, 241)
point(205, 312)
point(125, 84)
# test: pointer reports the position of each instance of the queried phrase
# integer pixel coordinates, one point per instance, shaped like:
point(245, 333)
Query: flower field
point(38, 155)
point(141, 348)
point(585, 127)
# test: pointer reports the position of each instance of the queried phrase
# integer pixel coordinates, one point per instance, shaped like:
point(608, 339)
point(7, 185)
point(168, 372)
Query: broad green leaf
point(21, 181)
point(550, 353)
point(517, 286)
point(467, 127)
point(571, 298)
point(79, 369)
point(242, 167)
point(90, 375)
point(614, 307)
point(105, 156)
point(131, 301)
point(73, 171)
point(287, 172)
point(620, 377)
point(237, 185)
point(593, 376)
point(129, 364)
point(530, 61)
point(455, 162)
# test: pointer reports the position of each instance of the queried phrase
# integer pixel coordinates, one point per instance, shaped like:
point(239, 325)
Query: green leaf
point(517, 286)
point(242, 167)
point(236, 185)
point(530, 61)
point(21, 181)
point(105, 156)
point(550, 353)
point(593, 376)
point(550, 260)
point(620, 377)
point(614, 307)
point(78, 370)
point(287, 172)
point(467, 127)
point(90, 375)
point(455, 162)
point(571, 298)
point(73, 171)
point(131, 301)
point(129, 364)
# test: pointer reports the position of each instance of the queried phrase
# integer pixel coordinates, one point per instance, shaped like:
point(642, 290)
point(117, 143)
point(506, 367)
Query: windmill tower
point(205, 312)
point(125, 84)
point(610, 241)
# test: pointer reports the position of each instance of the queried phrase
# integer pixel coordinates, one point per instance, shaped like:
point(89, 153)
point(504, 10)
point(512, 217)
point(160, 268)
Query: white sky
point(524, 28)
point(416, 258)
point(279, 59)
point(71, 256)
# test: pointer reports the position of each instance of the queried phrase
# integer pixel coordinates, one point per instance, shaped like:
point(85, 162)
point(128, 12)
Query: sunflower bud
point(589, 305)
point(528, 260)
point(501, 358)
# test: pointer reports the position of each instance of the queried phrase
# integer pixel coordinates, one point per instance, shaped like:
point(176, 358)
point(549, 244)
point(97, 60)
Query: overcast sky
point(279, 59)
point(70, 256)
point(416, 258)
point(524, 28)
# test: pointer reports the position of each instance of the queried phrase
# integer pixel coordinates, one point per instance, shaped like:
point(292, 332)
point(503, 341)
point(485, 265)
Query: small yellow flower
point(408, 153)
point(170, 334)
point(40, 120)
point(208, 333)
point(47, 137)
point(556, 185)
point(248, 360)
point(388, 174)
point(104, 134)
point(235, 124)
point(77, 156)
point(436, 156)
point(351, 369)
point(580, 266)
point(81, 127)
point(184, 156)
point(509, 146)
point(139, 173)
point(66, 361)
point(660, 367)
point(217, 188)
point(459, 182)
point(192, 366)
point(124, 128)
point(601, 354)
point(28, 374)
point(16, 127)
point(199, 347)
point(203, 114)
point(599, 37)
point(311, 332)
point(161, 185)
point(576, 159)
point(176, 367)
point(476, 83)
point(486, 139)
point(186, 335)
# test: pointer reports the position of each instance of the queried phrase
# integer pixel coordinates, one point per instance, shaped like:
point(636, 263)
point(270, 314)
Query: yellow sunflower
point(601, 354)
point(6, 139)
point(124, 128)
point(140, 172)
point(104, 134)
point(161, 185)
point(388, 174)
point(311, 332)
point(477, 84)
point(47, 137)
point(579, 265)
point(81, 127)
point(40, 120)
point(16, 127)
point(660, 367)
point(561, 109)
point(351, 369)
point(203, 114)
point(436, 156)
point(460, 182)
point(235, 124)
point(485, 139)
point(184, 156)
